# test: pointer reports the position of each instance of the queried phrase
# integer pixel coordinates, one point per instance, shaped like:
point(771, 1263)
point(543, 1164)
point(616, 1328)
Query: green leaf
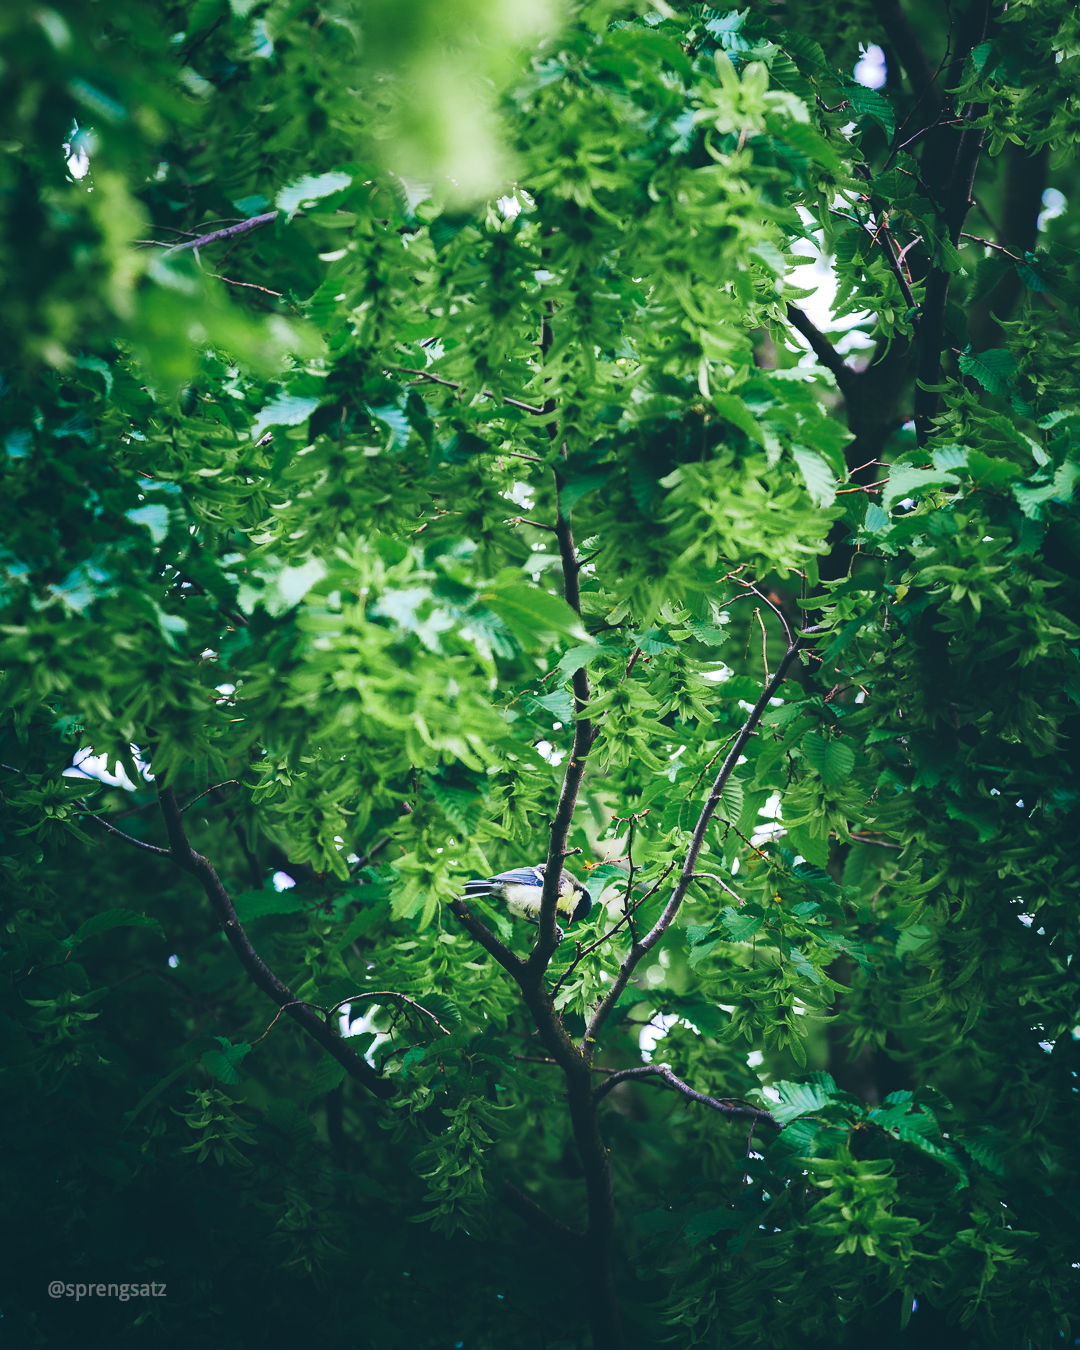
point(257, 904)
point(833, 759)
point(559, 703)
point(712, 1221)
point(411, 1056)
point(867, 102)
point(809, 142)
point(805, 968)
point(732, 798)
point(446, 227)
point(284, 410)
point(328, 1074)
point(911, 939)
point(531, 613)
point(310, 189)
point(113, 918)
point(158, 1088)
point(818, 476)
point(800, 1099)
point(225, 1063)
point(989, 272)
point(994, 369)
point(905, 481)
point(444, 1008)
point(153, 517)
point(740, 927)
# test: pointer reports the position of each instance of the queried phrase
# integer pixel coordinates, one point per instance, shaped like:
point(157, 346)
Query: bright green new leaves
point(327, 526)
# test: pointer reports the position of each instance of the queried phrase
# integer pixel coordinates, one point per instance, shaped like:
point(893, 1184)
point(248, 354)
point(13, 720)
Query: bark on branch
point(181, 853)
point(733, 1110)
point(245, 227)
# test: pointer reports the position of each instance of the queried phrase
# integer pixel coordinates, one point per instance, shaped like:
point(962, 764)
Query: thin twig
point(721, 883)
point(764, 643)
point(627, 917)
point(989, 243)
point(726, 1107)
point(250, 286)
point(484, 393)
point(775, 609)
point(369, 995)
point(209, 790)
point(127, 838)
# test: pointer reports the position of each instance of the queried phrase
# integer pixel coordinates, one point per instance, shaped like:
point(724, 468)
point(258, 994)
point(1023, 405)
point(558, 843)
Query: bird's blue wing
point(521, 876)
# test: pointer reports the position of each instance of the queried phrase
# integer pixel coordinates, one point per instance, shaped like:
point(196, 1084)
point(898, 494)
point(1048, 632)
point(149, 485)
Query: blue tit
point(521, 891)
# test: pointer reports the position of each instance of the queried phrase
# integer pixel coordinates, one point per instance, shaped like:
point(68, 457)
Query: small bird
point(522, 889)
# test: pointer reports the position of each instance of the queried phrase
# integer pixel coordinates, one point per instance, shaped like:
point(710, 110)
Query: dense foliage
point(416, 464)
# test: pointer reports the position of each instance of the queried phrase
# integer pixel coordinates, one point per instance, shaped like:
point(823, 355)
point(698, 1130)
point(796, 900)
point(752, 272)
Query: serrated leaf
point(876, 521)
point(328, 1074)
point(310, 188)
point(810, 143)
point(446, 227)
point(291, 1121)
point(906, 481)
point(911, 939)
point(833, 759)
point(444, 1008)
point(1032, 277)
point(258, 904)
point(866, 102)
point(701, 951)
point(805, 967)
point(731, 800)
point(284, 410)
point(397, 420)
point(113, 918)
point(994, 369)
point(817, 475)
point(559, 703)
point(153, 517)
point(734, 410)
point(708, 633)
point(740, 927)
point(462, 807)
point(225, 1063)
point(800, 1099)
point(949, 457)
point(989, 272)
point(532, 613)
point(712, 1221)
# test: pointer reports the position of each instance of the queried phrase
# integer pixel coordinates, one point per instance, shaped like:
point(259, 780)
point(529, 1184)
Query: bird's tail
point(477, 888)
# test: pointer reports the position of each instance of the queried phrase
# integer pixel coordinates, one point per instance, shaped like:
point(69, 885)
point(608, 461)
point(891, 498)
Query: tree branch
point(260, 974)
point(640, 949)
point(481, 933)
point(484, 393)
point(584, 736)
point(822, 348)
point(128, 839)
point(245, 227)
point(662, 1072)
point(554, 1230)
